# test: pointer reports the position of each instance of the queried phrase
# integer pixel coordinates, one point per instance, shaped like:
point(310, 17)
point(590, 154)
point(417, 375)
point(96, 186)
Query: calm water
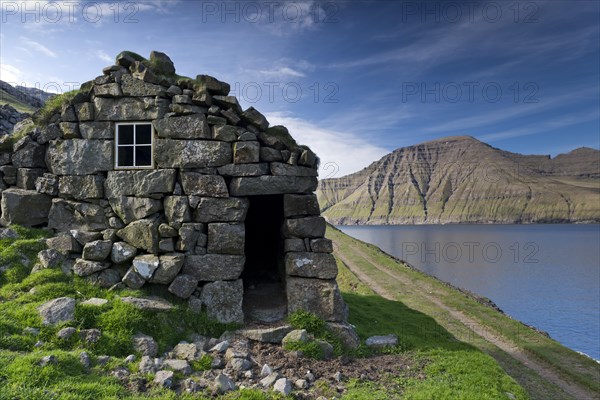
point(547, 276)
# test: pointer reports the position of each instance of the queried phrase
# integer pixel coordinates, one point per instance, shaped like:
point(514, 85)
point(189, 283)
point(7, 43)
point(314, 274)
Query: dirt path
point(471, 324)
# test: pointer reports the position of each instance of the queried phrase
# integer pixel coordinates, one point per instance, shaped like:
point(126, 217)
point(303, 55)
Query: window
point(133, 146)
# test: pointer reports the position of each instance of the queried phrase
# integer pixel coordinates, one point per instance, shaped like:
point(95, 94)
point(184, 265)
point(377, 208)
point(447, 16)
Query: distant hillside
point(25, 100)
point(462, 180)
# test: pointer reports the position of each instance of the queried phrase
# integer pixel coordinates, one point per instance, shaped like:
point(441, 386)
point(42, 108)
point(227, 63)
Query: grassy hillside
point(6, 98)
point(442, 360)
point(430, 309)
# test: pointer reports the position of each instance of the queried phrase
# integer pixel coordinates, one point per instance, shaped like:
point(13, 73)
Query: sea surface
point(547, 276)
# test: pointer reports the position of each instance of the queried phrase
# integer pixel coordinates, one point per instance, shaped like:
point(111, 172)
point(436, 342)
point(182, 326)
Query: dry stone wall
point(182, 222)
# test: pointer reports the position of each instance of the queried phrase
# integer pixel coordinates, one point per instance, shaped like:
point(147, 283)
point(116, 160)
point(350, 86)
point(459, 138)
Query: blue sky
point(354, 80)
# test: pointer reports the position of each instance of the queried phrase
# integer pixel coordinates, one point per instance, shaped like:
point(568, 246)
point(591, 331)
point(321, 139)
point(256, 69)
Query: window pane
point(143, 134)
point(125, 134)
point(143, 156)
point(125, 156)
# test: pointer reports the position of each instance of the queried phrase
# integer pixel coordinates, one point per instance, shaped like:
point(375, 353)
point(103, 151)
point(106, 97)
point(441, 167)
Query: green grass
point(566, 362)
point(448, 367)
point(53, 106)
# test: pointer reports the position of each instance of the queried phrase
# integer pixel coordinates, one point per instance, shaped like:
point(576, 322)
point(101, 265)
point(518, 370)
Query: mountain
point(16, 103)
point(25, 100)
point(462, 180)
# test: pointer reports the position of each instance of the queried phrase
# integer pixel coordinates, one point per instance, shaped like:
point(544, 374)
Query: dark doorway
point(264, 293)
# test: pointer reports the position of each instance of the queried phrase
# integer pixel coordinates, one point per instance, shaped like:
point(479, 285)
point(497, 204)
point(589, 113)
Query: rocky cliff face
point(462, 180)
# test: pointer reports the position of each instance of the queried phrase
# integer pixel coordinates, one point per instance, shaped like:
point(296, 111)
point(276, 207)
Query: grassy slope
point(6, 98)
point(453, 368)
point(569, 364)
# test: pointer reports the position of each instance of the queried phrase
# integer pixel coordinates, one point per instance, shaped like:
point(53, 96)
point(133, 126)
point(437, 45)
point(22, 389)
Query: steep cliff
point(462, 180)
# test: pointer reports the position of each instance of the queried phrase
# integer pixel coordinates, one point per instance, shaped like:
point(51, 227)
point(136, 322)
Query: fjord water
point(547, 276)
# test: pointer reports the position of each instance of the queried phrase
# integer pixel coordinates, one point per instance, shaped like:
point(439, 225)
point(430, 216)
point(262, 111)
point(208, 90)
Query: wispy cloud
point(101, 54)
point(282, 72)
point(509, 113)
point(341, 153)
point(11, 74)
point(543, 126)
point(38, 47)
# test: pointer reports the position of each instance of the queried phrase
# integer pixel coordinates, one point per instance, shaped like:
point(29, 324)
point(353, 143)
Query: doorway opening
point(264, 275)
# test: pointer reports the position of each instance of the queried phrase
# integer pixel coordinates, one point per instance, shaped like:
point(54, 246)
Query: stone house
point(148, 178)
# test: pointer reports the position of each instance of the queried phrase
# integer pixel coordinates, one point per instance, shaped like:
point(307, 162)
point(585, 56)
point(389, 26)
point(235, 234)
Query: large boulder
point(24, 207)
point(142, 234)
point(81, 187)
point(307, 227)
point(321, 297)
point(28, 154)
point(203, 185)
point(295, 205)
point(58, 310)
point(214, 267)
point(139, 183)
point(223, 301)
point(85, 157)
point(311, 265)
point(211, 209)
point(226, 238)
point(262, 185)
point(171, 153)
point(183, 127)
point(131, 209)
point(168, 268)
point(66, 215)
point(127, 109)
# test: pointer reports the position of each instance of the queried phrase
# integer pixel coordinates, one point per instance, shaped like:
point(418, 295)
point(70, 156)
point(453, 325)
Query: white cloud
point(11, 74)
point(341, 153)
point(38, 47)
point(101, 54)
point(542, 126)
point(282, 72)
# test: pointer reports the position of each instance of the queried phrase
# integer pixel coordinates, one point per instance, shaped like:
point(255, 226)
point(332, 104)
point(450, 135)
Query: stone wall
point(180, 224)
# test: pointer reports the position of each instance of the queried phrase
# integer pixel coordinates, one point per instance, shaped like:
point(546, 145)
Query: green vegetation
point(444, 361)
point(52, 106)
point(7, 144)
point(432, 332)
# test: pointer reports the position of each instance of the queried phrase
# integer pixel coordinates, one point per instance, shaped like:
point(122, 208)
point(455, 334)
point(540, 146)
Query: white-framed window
point(134, 145)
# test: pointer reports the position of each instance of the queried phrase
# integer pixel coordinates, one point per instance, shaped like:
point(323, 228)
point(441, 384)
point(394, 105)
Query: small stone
point(382, 341)
point(283, 386)
point(164, 379)
point(240, 364)
point(98, 250)
point(195, 305)
point(183, 286)
point(181, 366)
point(298, 335)
point(133, 280)
point(90, 335)
point(188, 351)
point(66, 333)
point(122, 252)
point(146, 365)
point(310, 376)
point(130, 359)
point(301, 384)
point(220, 347)
point(47, 360)
point(58, 310)
point(146, 265)
point(337, 376)
point(269, 380)
point(224, 384)
point(31, 331)
point(266, 370)
point(94, 302)
point(84, 359)
point(144, 344)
